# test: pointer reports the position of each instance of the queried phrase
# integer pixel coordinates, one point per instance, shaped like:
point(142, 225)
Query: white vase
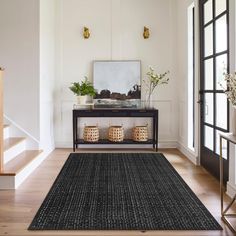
point(234, 121)
point(82, 99)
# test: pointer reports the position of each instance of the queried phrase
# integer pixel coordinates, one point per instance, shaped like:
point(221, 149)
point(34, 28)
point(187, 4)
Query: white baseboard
point(231, 189)
point(188, 153)
point(161, 144)
point(167, 144)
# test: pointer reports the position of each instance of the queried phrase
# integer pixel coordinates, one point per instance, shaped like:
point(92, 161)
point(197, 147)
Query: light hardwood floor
point(17, 208)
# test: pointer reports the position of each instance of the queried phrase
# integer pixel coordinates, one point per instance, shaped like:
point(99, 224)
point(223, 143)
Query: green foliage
point(83, 88)
point(154, 79)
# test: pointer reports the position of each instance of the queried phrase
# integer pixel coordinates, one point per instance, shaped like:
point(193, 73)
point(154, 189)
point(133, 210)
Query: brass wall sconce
point(86, 33)
point(146, 33)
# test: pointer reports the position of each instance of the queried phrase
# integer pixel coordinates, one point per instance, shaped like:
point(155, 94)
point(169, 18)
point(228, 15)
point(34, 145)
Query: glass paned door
point(214, 61)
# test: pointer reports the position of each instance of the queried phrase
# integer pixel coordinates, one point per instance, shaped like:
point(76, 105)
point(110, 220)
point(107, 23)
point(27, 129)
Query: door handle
point(200, 102)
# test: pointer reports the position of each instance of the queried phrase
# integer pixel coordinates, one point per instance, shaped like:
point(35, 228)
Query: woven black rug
point(121, 191)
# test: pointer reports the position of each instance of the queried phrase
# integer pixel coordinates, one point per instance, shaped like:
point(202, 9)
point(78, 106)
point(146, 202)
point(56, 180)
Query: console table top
point(117, 109)
point(229, 137)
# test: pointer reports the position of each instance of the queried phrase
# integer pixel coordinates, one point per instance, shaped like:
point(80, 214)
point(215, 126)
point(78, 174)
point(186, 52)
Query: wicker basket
point(116, 133)
point(91, 134)
point(140, 133)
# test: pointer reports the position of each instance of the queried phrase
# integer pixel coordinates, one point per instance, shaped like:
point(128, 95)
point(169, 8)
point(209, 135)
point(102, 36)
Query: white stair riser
point(14, 151)
point(23, 174)
point(6, 133)
point(13, 182)
point(7, 182)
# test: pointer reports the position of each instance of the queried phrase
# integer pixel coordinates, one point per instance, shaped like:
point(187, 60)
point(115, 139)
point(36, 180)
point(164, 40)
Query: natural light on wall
point(191, 77)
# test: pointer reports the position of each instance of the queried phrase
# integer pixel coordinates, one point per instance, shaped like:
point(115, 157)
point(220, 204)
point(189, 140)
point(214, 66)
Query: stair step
point(6, 131)
point(6, 126)
point(11, 142)
point(13, 147)
point(20, 162)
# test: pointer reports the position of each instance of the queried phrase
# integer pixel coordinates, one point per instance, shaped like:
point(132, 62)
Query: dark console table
point(152, 113)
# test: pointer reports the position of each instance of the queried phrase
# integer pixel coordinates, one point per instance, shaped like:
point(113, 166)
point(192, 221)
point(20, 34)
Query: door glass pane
point(220, 6)
point(224, 145)
point(208, 32)
point(209, 74)
point(208, 107)
point(221, 110)
point(221, 34)
point(221, 68)
point(208, 142)
point(208, 11)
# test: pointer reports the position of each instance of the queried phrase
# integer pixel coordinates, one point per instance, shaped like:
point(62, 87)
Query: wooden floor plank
point(17, 208)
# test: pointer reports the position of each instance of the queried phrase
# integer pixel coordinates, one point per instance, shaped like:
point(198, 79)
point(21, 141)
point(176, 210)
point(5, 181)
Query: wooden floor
point(17, 208)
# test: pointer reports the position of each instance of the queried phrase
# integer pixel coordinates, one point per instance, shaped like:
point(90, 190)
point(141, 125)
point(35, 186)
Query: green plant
point(83, 88)
point(153, 80)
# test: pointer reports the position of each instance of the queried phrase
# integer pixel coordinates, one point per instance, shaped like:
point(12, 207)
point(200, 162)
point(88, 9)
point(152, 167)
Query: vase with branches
point(152, 81)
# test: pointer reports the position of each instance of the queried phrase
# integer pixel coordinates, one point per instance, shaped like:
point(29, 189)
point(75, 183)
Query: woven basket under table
point(140, 133)
point(116, 133)
point(91, 134)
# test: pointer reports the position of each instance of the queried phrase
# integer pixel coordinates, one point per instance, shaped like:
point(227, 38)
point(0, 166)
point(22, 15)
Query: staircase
point(16, 161)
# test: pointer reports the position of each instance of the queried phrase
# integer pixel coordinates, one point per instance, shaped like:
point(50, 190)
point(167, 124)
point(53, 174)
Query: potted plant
point(82, 90)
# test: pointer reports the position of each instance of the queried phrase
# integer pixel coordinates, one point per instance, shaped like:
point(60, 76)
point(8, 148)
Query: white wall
point(182, 74)
point(27, 53)
point(47, 73)
point(231, 185)
point(116, 34)
point(19, 55)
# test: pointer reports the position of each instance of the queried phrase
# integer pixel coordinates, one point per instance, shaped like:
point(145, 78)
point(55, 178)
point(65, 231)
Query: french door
point(214, 62)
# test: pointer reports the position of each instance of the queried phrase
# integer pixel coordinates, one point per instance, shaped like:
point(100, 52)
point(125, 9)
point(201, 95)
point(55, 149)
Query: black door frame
point(208, 158)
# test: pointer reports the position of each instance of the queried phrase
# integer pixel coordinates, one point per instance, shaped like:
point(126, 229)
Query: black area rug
point(121, 191)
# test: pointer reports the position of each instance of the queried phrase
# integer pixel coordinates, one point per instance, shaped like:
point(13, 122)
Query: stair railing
point(1, 122)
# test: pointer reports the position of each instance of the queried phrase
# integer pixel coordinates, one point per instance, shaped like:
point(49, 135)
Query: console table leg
point(156, 129)
point(154, 132)
point(74, 126)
